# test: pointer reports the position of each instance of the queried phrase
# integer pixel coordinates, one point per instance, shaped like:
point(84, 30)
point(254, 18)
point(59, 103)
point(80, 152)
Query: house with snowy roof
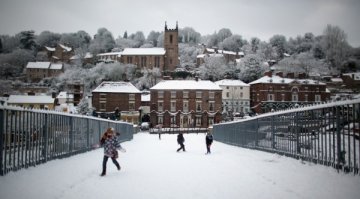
point(235, 96)
point(228, 56)
point(352, 80)
point(185, 103)
point(123, 96)
point(273, 92)
point(36, 71)
point(60, 53)
point(32, 101)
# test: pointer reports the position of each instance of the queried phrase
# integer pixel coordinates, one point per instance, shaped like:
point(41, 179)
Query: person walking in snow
point(181, 140)
point(209, 141)
point(111, 145)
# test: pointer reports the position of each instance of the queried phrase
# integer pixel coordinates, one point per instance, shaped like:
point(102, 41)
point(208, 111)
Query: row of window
point(186, 123)
point(186, 94)
point(294, 97)
point(103, 96)
point(144, 61)
point(185, 108)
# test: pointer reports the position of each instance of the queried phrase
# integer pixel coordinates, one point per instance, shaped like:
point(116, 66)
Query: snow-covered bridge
point(151, 168)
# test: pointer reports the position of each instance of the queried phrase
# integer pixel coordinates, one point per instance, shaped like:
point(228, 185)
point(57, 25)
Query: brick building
point(122, 95)
point(185, 103)
point(351, 81)
point(60, 53)
point(275, 92)
point(36, 71)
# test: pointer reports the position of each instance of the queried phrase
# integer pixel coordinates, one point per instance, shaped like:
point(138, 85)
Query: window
point(171, 39)
point(160, 119)
point(198, 120)
point(102, 106)
point(211, 95)
point(173, 94)
point(271, 97)
point(198, 94)
point(211, 106)
point(185, 106)
point(160, 94)
point(185, 94)
point(131, 96)
point(294, 97)
point(211, 120)
point(317, 98)
point(227, 94)
point(160, 106)
point(198, 106)
point(157, 62)
point(143, 61)
point(282, 97)
point(173, 106)
point(102, 96)
point(306, 97)
point(241, 95)
point(132, 106)
point(129, 60)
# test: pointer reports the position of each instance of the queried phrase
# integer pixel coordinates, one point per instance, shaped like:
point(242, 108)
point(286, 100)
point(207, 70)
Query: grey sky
point(249, 18)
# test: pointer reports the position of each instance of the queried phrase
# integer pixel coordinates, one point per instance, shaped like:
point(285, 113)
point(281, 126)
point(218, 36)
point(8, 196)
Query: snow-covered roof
point(143, 51)
point(280, 80)
point(186, 85)
point(87, 55)
point(110, 53)
point(231, 82)
point(49, 48)
point(64, 95)
point(40, 65)
point(55, 57)
point(65, 47)
point(336, 80)
point(56, 66)
point(200, 56)
point(116, 87)
point(37, 99)
point(356, 75)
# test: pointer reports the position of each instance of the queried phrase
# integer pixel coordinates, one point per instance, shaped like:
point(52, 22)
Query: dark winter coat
point(180, 138)
point(209, 139)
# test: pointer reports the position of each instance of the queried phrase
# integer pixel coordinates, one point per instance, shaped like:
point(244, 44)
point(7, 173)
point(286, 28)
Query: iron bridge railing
point(325, 133)
point(31, 137)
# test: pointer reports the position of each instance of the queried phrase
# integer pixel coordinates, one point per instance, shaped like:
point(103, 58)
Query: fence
point(32, 137)
point(326, 134)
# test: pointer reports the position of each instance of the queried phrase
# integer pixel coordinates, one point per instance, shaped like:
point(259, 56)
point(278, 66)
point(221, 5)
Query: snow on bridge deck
point(152, 169)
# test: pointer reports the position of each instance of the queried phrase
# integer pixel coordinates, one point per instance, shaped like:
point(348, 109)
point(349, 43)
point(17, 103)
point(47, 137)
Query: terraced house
point(185, 103)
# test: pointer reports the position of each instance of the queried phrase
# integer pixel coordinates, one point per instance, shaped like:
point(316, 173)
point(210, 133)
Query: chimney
point(302, 75)
point(268, 73)
point(290, 75)
point(280, 74)
point(196, 78)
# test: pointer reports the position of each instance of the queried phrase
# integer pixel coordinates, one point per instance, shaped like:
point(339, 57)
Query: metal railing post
point(2, 171)
point(71, 136)
point(273, 144)
point(340, 158)
point(46, 138)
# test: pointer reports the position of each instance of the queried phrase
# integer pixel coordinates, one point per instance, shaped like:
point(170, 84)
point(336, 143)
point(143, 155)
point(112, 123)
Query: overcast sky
point(249, 18)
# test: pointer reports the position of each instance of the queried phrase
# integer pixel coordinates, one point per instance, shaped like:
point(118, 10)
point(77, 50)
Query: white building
point(235, 95)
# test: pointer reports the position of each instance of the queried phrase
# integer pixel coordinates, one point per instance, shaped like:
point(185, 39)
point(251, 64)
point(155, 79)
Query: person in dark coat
point(209, 141)
point(111, 145)
point(181, 140)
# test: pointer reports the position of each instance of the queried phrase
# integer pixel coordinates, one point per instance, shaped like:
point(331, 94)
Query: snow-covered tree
point(10, 43)
point(188, 54)
point(279, 42)
point(27, 39)
point(251, 68)
point(232, 43)
point(267, 52)
point(223, 34)
point(47, 38)
point(153, 38)
point(160, 40)
point(335, 45)
point(83, 106)
point(138, 38)
point(103, 42)
point(213, 69)
point(189, 35)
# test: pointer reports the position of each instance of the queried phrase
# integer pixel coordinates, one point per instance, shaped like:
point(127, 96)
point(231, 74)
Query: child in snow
point(181, 140)
point(110, 144)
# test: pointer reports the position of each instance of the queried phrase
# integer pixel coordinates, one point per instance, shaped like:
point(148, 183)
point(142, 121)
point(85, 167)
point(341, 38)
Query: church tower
point(172, 48)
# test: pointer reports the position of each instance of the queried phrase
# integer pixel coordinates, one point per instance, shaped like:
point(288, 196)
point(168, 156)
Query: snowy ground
point(152, 169)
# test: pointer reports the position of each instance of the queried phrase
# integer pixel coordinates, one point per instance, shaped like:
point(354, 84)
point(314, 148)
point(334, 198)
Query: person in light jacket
point(111, 145)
